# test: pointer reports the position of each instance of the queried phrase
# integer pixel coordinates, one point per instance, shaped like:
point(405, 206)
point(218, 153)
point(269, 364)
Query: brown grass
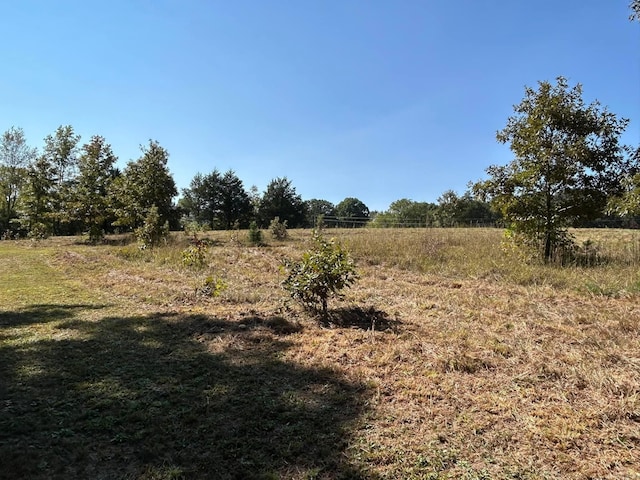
point(450, 358)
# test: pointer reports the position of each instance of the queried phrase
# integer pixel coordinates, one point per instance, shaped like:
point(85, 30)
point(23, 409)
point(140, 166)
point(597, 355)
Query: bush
point(255, 235)
point(278, 229)
point(152, 232)
point(324, 270)
point(196, 254)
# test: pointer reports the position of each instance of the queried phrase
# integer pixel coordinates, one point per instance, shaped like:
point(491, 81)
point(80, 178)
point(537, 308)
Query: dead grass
point(448, 359)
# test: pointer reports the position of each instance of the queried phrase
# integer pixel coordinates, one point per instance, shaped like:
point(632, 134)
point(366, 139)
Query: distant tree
point(466, 210)
point(627, 203)
point(15, 158)
point(202, 199)
point(281, 200)
point(219, 200)
point(144, 183)
point(91, 205)
point(352, 212)
point(235, 203)
point(36, 209)
point(316, 208)
point(404, 213)
point(61, 152)
point(567, 162)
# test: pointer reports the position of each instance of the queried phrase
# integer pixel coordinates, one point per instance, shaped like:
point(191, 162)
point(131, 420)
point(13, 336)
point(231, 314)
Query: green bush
point(152, 232)
point(322, 272)
point(196, 254)
point(278, 229)
point(255, 235)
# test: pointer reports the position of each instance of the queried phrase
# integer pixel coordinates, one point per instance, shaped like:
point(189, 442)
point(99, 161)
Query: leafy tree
point(628, 202)
point(153, 231)
point(61, 152)
point(281, 200)
point(202, 199)
point(15, 158)
point(219, 200)
point(145, 183)
point(567, 161)
point(317, 209)
point(96, 173)
point(36, 198)
point(405, 213)
point(323, 271)
point(454, 210)
point(235, 203)
point(352, 212)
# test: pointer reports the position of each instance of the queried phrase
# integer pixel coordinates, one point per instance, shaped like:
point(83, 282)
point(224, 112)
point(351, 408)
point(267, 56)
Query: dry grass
point(450, 358)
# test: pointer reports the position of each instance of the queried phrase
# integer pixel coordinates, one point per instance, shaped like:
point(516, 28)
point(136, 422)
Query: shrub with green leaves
point(255, 235)
point(196, 254)
point(323, 271)
point(211, 287)
point(152, 232)
point(278, 229)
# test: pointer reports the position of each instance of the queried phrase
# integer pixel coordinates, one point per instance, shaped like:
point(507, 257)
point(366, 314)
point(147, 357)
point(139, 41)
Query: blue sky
point(378, 100)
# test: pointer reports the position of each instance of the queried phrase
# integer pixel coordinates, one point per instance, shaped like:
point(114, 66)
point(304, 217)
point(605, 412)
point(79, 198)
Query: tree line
point(69, 188)
point(569, 169)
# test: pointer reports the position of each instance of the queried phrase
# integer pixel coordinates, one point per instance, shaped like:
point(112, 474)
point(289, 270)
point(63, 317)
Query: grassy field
point(451, 358)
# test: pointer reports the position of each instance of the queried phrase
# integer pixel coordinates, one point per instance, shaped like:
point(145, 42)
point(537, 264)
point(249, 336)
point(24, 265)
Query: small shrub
point(324, 270)
point(196, 254)
point(152, 232)
point(255, 235)
point(211, 287)
point(39, 231)
point(278, 229)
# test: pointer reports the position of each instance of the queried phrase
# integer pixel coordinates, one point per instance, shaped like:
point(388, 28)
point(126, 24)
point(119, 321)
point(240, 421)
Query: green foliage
point(567, 163)
point(281, 200)
point(15, 158)
point(255, 235)
point(317, 210)
point(211, 287)
point(90, 202)
point(153, 230)
point(196, 254)
point(352, 212)
point(144, 183)
point(278, 229)
point(60, 152)
point(323, 271)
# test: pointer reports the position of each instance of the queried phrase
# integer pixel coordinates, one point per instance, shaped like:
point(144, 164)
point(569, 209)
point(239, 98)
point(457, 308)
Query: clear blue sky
point(378, 100)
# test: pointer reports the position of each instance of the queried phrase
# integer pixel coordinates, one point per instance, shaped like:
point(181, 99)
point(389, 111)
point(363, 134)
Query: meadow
point(452, 357)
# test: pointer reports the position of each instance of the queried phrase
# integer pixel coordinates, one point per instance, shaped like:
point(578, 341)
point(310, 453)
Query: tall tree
point(36, 210)
point(201, 200)
point(318, 210)
point(567, 162)
point(352, 212)
point(95, 175)
point(627, 203)
point(281, 200)
point(405, 213)
point(61, 152)
point(144, 183)
point(15, 158)
point(235, 204)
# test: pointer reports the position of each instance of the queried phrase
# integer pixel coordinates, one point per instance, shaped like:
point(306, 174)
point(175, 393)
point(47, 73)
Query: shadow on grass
point(362, 318)
point(171, 396)
point(42, 313)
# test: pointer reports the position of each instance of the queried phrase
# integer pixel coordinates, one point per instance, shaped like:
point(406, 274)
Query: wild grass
point(452, 357)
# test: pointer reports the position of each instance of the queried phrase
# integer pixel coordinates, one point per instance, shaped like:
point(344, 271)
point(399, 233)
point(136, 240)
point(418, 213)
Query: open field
point(451, 357)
